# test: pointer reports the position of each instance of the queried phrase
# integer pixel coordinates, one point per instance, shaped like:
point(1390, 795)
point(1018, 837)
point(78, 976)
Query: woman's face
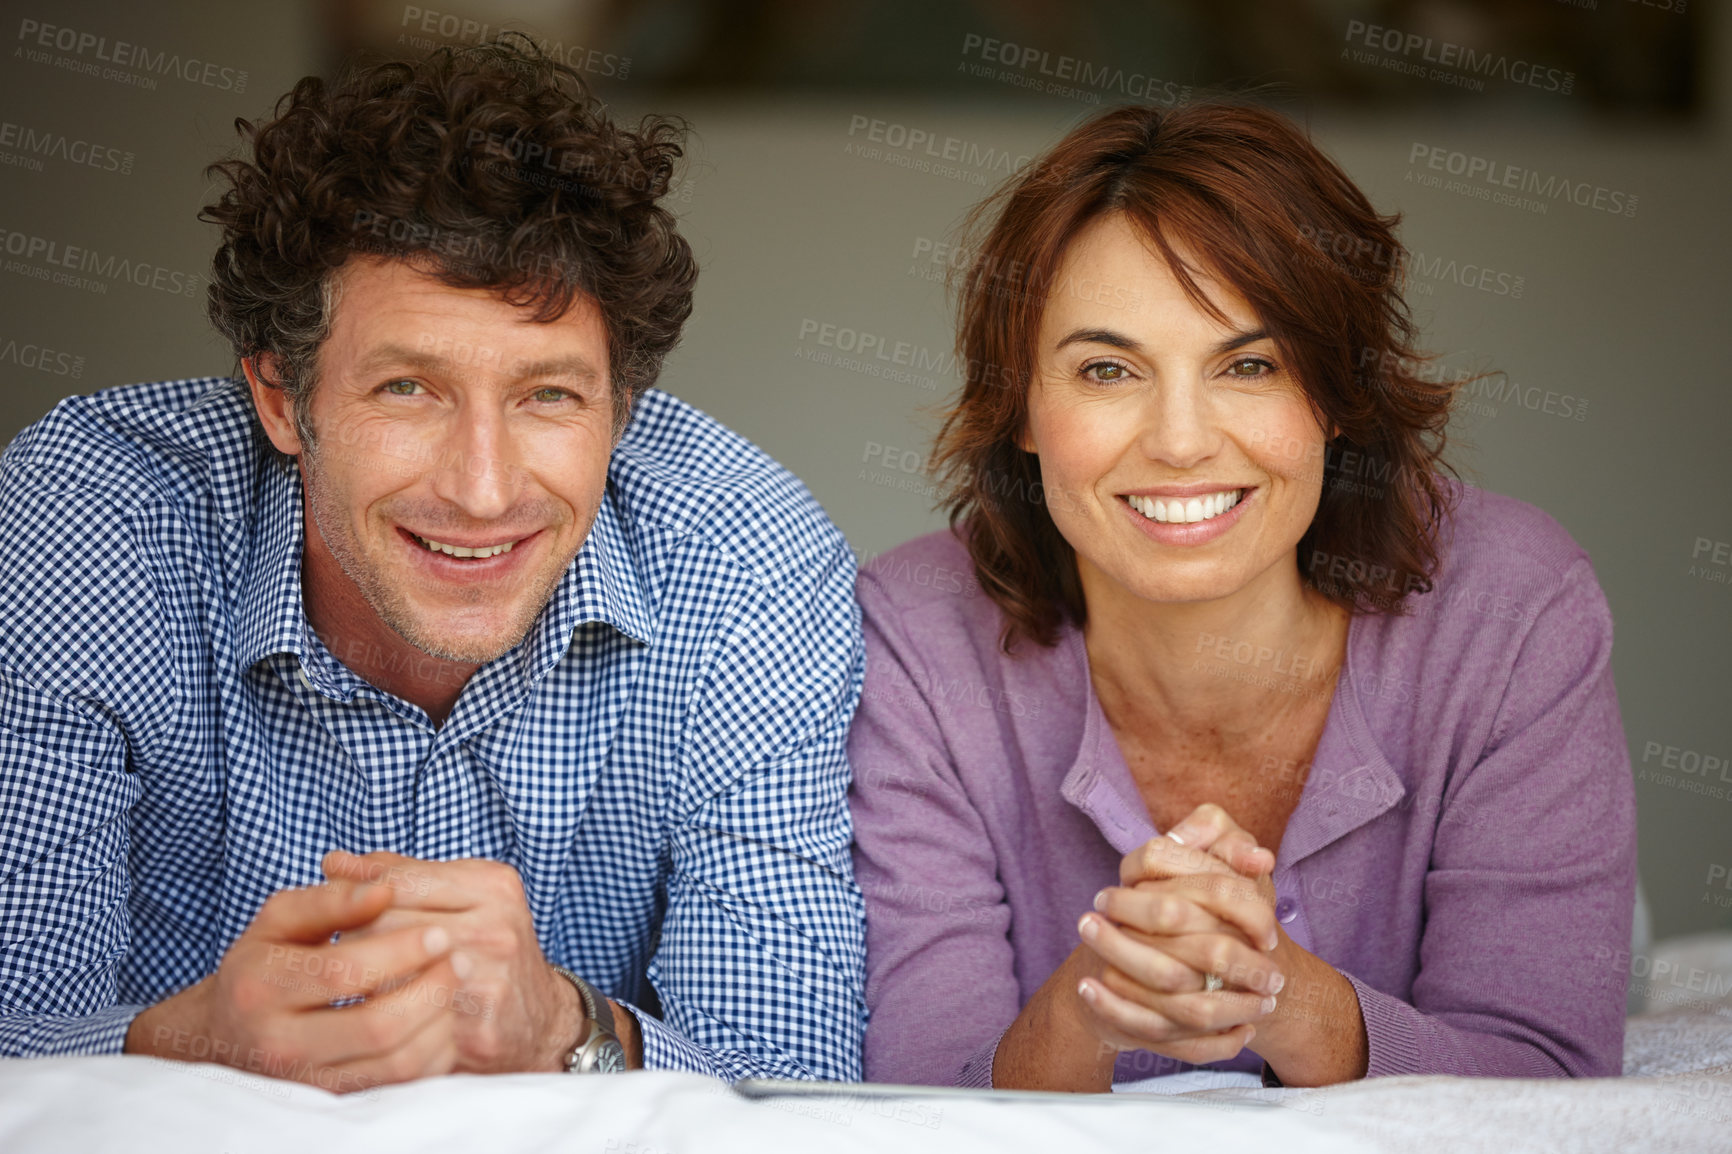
point(1180, 458)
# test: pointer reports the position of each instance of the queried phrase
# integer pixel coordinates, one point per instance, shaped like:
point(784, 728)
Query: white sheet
point(1676, 1095)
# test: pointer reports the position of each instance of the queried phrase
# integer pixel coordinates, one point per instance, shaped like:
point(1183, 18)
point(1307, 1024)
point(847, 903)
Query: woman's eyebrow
point(1239, 339)
point(1100, 337)
point(1120, 341)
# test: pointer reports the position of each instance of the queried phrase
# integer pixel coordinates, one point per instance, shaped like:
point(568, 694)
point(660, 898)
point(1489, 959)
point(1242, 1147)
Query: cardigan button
point(1286, 910)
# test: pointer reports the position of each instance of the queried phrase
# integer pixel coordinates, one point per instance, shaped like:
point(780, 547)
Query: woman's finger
point(1176, 964)
point(1146, 964)
point(1227, 957)
point(1163, 857)
point(1208, 840)
point(1155, 909)
point(1128, 1025)
point(1202, 826)
point(1238, 901)
point(1241, 851)
point(1211, 828)
point(1194, 1013)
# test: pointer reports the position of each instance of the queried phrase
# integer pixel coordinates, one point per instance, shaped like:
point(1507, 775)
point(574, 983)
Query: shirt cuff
point(51, 1035)
point(663, 1049)
point(1398, 1038)
point(976, 1072)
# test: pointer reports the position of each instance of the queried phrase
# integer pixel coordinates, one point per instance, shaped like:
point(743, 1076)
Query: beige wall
point(795, 233)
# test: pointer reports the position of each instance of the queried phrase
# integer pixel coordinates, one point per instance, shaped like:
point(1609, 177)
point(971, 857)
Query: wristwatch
point(598, 1051)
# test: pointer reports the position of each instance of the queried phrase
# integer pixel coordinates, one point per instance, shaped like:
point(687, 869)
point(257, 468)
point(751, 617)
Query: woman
point(1221, 590)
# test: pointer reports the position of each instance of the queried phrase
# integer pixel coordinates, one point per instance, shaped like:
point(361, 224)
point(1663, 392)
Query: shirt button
point(1286, 910)
point(303, 675)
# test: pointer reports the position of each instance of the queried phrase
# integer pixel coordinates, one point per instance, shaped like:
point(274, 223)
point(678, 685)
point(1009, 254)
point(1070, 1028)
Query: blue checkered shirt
point(662, 758)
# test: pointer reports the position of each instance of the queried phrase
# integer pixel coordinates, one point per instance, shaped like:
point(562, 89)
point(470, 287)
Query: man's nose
point(477, 470)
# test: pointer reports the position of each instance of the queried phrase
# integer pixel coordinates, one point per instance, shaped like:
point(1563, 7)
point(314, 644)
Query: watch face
point(610, 1058)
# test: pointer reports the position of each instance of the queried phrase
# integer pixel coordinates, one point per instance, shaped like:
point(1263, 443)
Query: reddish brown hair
point(1265, 212)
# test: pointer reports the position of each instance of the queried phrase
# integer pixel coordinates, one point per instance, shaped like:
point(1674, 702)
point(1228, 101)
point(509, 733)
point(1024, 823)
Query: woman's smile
point(1186, 521)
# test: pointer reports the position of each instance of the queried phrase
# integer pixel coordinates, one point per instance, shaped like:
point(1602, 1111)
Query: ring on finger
point(1212, 982)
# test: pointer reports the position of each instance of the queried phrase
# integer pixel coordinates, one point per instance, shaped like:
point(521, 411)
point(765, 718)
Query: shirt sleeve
point(65, 793)
point(941, 978)
point(760, 965)
point(1532, 881)
point(64, 797)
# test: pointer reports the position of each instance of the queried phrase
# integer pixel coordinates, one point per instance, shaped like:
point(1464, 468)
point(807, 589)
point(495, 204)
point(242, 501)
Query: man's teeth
point(460, 551)
point(1183, 509)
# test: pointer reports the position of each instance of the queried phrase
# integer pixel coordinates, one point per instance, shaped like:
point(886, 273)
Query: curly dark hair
point(1270, 215)
point(491, 166)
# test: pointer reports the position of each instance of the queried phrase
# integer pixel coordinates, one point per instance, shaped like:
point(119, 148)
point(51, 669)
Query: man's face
point(461, 453)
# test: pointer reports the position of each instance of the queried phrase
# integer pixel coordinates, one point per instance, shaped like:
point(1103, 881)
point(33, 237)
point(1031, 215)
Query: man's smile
point(470, 558)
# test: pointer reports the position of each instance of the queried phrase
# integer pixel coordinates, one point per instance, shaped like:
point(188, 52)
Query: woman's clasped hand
point(1182, 946)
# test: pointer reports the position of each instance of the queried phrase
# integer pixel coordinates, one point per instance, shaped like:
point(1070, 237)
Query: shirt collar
point(1350, 783)
point(269, 615)
point(601, 585)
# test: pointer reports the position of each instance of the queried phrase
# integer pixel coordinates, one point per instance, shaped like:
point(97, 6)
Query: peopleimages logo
point(1497, 175)
point(57, 256)
point(1457, 64)
point(37, 35)
point(1069, 76)
point(925, 150)
point(32, 144)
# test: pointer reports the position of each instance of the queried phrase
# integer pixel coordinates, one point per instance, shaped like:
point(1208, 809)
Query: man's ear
point(272, 402)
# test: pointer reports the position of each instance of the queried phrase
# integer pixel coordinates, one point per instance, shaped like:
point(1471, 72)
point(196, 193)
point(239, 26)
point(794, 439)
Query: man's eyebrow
point(1119, 340)
point(393, 356)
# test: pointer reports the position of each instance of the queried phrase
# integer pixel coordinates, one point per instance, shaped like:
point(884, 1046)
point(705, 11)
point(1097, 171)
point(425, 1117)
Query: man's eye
point(402, 388)
point(550, 394)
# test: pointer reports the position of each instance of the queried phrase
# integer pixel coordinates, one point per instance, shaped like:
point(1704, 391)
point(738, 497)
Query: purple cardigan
point(1464, 849)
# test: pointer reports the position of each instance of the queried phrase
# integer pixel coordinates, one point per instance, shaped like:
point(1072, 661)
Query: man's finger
point(397, 918)
point(397, 1038)
point(314, 913)
point(430, 1052)
point(382, 1024)
point(405, 877)
point(412, 882)
point(312, 976)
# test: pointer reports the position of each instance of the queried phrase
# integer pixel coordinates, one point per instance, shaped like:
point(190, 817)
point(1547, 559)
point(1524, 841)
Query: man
point(545, 676)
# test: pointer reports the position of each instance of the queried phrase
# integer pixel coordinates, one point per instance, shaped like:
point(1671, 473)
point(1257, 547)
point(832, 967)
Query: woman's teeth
point(460, 551)
point(1184, 509)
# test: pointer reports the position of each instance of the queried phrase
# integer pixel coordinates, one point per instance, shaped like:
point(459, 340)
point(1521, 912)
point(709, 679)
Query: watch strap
point(599, 1048)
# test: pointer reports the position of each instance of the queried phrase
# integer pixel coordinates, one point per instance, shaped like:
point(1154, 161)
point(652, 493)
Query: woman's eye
point(402, 388)
point(1106, 372)
point(1250, 367)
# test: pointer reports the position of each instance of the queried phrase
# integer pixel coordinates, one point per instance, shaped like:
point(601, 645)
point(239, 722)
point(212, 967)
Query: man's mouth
point(479, 552)
point(1181, 510)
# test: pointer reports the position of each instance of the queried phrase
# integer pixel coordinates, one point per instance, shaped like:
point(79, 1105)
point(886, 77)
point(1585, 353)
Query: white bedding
point(1676, 1095)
